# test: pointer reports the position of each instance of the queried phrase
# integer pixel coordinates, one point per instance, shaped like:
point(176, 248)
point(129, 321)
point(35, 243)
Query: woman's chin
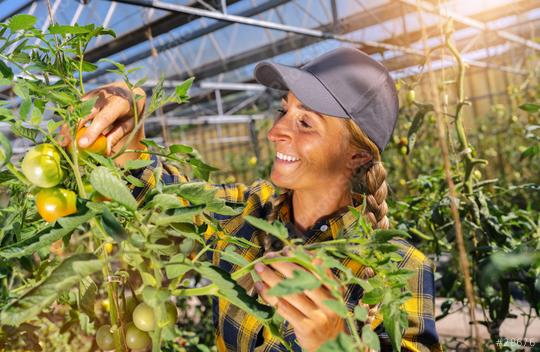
point(280, 180)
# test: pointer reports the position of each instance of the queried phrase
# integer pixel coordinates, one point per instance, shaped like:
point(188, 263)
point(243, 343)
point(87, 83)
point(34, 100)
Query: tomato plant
point(160, 242)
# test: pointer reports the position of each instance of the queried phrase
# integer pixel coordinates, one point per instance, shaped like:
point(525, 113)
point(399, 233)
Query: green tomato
point(135, 338)
point(144, 318)
point(171, 313)
point(104, 338)
point(41, 166)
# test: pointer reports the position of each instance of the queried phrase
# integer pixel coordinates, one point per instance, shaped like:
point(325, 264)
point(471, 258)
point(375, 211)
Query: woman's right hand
point(113, 117)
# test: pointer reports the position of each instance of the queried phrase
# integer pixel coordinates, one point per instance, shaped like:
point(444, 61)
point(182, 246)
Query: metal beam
point(198, 33)
point(471, 22)
point(161, 25)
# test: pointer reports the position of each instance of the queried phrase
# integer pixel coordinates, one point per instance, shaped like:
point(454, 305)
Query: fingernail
point(258, 286)
point(83, 141)
point(271, 255)
point(259, 267)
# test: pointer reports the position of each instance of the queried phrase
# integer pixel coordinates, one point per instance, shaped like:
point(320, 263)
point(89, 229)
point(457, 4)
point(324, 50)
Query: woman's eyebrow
point(303, 107)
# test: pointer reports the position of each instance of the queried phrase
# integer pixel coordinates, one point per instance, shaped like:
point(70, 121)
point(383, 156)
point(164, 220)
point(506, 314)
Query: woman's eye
point(304, 124)
point(281, 112)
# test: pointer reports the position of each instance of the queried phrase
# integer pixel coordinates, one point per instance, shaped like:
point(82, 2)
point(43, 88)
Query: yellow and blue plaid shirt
point(237, 330)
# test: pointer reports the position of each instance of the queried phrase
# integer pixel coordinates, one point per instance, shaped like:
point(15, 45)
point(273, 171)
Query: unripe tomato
point(411, 96)
point(98, 147)
point(135, 338)
point(252, 161)
point(477, 174)
point(144, 318)
point(403, 150)
point(171, 313)
point(105, 304)
point(93, 195)
point(41, 166)
point(54, 203)
point(104, 338)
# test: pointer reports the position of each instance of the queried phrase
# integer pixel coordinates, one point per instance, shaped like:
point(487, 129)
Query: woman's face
point(312, 150)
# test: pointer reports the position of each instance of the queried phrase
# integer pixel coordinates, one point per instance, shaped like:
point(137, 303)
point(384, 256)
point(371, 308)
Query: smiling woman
point(338, 114)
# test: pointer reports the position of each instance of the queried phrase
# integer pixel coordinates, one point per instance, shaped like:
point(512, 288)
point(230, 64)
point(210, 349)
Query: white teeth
point(285, 157)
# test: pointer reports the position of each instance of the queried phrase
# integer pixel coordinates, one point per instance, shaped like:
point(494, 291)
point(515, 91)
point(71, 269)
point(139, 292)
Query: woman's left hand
point(313, 322)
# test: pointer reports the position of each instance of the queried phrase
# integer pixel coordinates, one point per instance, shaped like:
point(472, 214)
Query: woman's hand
point(112, 116)
point(313, 322)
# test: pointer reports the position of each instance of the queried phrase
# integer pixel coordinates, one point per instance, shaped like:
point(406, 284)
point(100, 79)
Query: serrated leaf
point(360, 313)
point(71, 271)
point(5, 150)
point(110, 186)
point(24, 132)
point(374, 296)
point(112, 226)
point(137, 164)
point(300, 281)
point(45, 237)
point(231, 256)
point(66, 29)
point(342, 343)
point(6, 71)
point(276, 229)
point(180, 148)
point(337, 307)
point(165, 202)
point(21, 21)
point(179, 215)
point(370, 338)
point(233, 292)
point(24, 109)
point(181, 91)
point(176, 266)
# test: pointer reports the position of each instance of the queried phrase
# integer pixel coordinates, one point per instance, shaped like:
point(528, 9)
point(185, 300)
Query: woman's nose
point(280, 131)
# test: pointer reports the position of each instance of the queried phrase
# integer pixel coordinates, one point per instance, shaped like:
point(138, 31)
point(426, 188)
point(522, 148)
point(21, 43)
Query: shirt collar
point(326, 228)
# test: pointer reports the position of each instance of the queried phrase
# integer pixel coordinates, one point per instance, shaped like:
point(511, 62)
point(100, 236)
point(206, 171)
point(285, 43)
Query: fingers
point(270, 278)
point(64, 137)
point(282, 306)
point(121, 129)
point(116, 108)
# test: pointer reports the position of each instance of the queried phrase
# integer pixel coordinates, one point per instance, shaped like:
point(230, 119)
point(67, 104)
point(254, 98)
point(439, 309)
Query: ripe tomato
point(54, 203)
point(135, 338)
point(104, 338)
point(144, 318)
point(108, 247)
point(98, 147)
point(41, 166)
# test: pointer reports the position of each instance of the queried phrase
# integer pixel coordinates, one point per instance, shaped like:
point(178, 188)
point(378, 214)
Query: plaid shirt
point(239, 331)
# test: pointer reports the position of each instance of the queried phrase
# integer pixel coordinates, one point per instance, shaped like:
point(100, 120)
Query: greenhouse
point(269, 175)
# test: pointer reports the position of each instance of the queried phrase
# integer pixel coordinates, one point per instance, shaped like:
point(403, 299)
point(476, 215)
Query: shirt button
point(324, 227)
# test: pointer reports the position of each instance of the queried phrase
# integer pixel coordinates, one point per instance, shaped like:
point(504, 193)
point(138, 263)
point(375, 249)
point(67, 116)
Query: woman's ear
point(358, 158)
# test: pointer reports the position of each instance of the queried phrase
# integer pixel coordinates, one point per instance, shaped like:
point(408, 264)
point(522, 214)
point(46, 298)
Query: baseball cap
point(344, 82)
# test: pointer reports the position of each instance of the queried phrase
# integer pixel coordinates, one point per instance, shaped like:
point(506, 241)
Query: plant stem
point(17, 174)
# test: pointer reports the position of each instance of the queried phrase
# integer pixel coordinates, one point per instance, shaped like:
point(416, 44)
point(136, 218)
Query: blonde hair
point(370, 177)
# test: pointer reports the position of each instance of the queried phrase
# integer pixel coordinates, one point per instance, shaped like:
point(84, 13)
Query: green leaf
point(121, 67)
point(111, 186)
point(65, 29)
point(21, 21)
point(342, 343)
point(5, 70)
point(301, 280)
point(25, 132)
point(230, 255)
point(137, 164)
point(112, 226)
point(370, 338)
point(374, 296)
point(337, 307)
point(176, 266)
point(134, 181)
point(26, 105)
point(181, 91)
point(46, 236)
point(530, 107)
point(87, 295)
point(180, 148)
point(66, 275)
point(360, 313)
point(233, 292)
point(276, 229)
point(165, 202)
point(5, 150)
point(179, 215)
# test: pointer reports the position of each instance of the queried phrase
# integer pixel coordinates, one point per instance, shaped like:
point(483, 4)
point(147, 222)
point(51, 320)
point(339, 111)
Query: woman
point(338, 115)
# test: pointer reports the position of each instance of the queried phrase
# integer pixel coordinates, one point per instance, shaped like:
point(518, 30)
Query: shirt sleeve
point(421, 335)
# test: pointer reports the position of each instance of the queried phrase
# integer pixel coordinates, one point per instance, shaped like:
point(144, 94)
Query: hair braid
point(377, 191)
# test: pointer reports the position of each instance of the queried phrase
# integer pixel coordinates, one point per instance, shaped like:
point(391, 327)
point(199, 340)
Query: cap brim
point(305, 86)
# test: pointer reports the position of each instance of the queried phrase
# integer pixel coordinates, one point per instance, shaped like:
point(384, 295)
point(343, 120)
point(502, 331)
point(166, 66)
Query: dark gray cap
point(344, 82)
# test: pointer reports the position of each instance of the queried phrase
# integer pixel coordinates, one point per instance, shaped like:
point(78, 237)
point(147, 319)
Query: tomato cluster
point(42, 167)
point(143, 322)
